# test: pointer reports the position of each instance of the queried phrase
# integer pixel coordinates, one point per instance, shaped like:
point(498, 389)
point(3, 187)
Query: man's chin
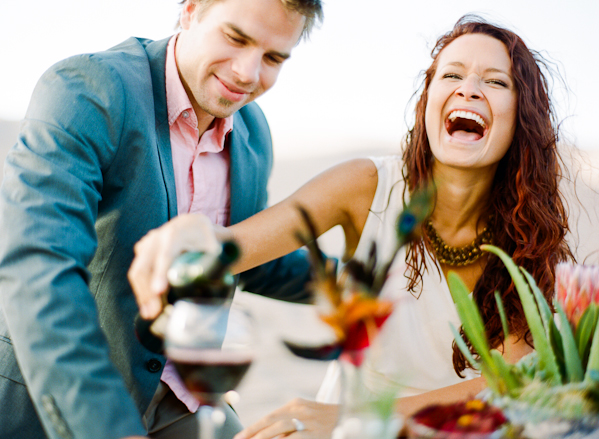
point(226, 108)
point(222, 108)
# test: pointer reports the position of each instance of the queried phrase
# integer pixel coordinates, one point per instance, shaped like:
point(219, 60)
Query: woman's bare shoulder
point(354, 173)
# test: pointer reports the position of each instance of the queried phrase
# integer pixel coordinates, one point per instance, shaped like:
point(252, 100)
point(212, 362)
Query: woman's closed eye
point(497, 82)
point(452, 76)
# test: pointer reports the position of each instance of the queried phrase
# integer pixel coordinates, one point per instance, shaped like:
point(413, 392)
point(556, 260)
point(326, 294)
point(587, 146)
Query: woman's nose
point(469, 88)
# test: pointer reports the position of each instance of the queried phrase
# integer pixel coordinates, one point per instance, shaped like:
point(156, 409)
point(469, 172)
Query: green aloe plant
point(566, 356)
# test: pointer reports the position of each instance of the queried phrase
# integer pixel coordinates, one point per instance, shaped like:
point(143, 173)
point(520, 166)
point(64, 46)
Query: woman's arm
point(341, 195)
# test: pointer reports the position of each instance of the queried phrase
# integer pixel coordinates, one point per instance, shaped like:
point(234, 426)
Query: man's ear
point(187, 14)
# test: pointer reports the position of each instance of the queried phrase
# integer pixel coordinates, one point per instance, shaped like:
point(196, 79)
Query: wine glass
point(194, 343)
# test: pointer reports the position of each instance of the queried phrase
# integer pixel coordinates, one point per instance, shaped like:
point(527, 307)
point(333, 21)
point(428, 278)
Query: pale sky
point(348, 87)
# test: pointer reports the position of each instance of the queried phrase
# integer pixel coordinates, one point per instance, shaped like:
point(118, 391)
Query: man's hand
point(155, 252)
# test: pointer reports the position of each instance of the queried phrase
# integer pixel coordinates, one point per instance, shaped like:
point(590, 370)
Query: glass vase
point(363, 413)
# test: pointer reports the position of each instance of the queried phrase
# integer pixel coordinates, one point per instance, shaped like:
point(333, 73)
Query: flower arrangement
point(560, 379)
point(350, 303)
point(351, 306)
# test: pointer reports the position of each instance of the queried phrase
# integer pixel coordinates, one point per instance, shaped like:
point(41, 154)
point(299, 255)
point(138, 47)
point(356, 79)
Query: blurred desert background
point(277, 376)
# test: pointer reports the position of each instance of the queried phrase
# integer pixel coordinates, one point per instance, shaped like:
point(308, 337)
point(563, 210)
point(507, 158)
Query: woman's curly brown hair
point(529, 219)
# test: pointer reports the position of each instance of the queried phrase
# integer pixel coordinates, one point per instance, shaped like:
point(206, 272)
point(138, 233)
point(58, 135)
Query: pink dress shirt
point(201, 167)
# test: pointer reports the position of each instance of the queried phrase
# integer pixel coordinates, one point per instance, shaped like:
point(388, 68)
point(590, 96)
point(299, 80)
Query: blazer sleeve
point(285, 278)
point(48, 206)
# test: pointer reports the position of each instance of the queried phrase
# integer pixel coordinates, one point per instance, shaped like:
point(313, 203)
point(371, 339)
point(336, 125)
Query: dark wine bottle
point(202, 277)
point(205, 277)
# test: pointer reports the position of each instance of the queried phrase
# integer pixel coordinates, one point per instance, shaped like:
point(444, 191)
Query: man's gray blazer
point(90, 175)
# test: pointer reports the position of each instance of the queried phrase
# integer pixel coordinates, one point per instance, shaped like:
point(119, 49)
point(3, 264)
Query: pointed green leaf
point(463, 347)
point(557, 346)
point(572, 360)
point(494, 381)
point(553, 334)
point(540, 339)
point(502, 316)
point(593, 364)
point(544, 310)
point(472, 322)
point(510, 380)
point(593, 376)
point(584, 331)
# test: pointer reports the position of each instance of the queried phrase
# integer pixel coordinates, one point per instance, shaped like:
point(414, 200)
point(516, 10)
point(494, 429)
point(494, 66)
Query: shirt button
point(186, 114)
point(154, 365)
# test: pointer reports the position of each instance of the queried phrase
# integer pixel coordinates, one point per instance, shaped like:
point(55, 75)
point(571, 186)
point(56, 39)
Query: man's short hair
point(311, 9)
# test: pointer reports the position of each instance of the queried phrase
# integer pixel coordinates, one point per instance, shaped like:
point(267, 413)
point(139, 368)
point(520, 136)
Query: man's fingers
point(155, 253)
point(139, 276)
point(147, 274)
point(151, 308)
point(164, 249)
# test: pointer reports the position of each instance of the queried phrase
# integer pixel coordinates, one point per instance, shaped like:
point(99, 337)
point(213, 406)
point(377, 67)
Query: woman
point(485, 133)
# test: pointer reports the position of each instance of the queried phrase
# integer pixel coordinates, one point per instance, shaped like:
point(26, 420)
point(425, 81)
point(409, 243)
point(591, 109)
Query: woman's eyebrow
point(496, 70)
point(488, 70)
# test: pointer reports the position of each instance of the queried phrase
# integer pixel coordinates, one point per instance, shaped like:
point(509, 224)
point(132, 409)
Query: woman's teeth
point(467, 115)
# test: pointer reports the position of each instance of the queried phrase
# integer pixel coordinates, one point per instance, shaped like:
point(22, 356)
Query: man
point(115, 144)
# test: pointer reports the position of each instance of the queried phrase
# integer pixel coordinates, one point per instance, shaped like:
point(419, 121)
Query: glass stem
point(212, 420)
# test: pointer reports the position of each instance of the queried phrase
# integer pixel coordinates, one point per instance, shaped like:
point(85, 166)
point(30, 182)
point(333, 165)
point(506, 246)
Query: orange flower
point(357, 319)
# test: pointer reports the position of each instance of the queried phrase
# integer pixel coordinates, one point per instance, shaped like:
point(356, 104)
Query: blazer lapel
point(157, 57)
point(244, 166)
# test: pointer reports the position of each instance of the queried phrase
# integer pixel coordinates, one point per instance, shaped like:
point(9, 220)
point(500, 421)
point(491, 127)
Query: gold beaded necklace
point(457, 256)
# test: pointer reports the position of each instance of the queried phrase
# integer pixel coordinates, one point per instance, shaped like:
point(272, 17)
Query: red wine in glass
point(209, 374)
point(212, 347)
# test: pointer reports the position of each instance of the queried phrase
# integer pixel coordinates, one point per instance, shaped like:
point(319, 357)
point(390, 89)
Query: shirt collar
point(179, 106)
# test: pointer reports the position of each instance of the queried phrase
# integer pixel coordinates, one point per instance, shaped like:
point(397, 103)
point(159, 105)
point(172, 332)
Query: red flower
point(356, 321)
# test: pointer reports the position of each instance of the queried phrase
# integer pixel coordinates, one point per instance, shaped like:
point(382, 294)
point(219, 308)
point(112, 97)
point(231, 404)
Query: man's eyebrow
point(240, 32)
point(251, 40)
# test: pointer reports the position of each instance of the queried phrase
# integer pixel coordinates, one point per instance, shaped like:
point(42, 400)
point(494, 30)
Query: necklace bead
point(457, 256)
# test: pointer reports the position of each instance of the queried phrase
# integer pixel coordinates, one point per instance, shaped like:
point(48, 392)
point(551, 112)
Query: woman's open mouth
point(465, 125)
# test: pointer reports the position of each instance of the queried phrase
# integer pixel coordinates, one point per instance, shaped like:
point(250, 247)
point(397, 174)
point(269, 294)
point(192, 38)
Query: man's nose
point(247, 67)
point(470, 88)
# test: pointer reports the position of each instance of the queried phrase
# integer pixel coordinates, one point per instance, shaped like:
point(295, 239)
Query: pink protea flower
point(576, 287)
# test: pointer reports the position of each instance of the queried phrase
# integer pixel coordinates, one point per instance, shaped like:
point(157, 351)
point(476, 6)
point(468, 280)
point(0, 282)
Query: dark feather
point(324, 352)
point(318, 259)
point(364, 272)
